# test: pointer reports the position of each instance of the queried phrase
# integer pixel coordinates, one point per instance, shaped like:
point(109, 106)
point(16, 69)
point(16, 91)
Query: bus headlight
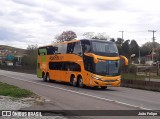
point(118, 79)
point(97, 78)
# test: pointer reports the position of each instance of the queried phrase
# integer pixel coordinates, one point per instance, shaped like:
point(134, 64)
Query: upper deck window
point(86, 46)
point(105, 48)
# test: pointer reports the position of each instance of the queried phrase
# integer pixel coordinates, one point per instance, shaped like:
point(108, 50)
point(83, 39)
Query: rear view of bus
point(92, 63)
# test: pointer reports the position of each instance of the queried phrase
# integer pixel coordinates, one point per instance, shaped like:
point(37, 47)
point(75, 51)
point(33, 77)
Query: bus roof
point(98, 40)
point(60, 43)
point(74, 41)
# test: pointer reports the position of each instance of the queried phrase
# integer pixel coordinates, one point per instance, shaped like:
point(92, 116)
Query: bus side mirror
point(125, 60)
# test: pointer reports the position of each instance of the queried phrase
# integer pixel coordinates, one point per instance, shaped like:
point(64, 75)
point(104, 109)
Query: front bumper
point(113, 81)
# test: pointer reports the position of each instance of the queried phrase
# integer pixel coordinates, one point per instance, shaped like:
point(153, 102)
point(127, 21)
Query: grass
point(132, 76)
point(13, 91)
point(138, 77)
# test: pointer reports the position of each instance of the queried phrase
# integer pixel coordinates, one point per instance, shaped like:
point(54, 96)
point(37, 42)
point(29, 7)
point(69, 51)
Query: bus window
point(105, 48)
point(110, 68)
point(88, 63)
point(42, 51)
point(75, 67)
point(64, 66)
point(70, 47)
point(52, 66)
point(62, 49)
point(77, 48)
point(86, 47)
point(50, 50)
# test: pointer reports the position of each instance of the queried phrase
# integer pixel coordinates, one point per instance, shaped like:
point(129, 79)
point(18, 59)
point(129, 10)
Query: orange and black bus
point(85, 62)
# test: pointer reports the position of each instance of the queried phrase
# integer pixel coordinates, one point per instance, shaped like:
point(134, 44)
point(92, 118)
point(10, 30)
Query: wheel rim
point(74, 83)
point(80, 83)
point(47, 77)
point(44, 78)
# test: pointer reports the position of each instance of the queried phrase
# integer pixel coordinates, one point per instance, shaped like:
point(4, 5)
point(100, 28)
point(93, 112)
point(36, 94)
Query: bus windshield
point(105, 68)
point(105, 48)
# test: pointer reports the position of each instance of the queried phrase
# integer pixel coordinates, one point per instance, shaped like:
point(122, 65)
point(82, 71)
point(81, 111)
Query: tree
point(32, 49)
point(126, 49)
point(89, 35)
point(119, 41)
point(134, 48)
point(99, 36)
point(30, 59)
point(158, 54)
point(146, 48)
point(66, 36)
point(112, 39)
point(119, 49)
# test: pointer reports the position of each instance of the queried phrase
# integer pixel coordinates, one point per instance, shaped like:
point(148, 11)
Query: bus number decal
point(55, 57)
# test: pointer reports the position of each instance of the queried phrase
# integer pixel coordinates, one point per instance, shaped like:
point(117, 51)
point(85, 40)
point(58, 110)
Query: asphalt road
point(65, 97)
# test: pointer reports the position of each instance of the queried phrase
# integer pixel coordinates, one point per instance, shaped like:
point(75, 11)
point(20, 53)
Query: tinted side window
point(51, 50)
point(88, 63)
point(75, 67)
point(77, 48)
point(55, 65)
point(62, 49)
point(86, 46)
point(70, 47)
point(71, 66)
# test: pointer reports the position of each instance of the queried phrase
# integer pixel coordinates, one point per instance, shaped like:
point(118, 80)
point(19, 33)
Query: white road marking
point(80, 93)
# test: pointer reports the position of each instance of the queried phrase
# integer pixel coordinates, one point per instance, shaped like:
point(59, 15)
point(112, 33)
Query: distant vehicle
point(93, 63)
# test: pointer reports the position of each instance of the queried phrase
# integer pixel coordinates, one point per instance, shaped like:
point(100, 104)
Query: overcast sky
point(26, 22)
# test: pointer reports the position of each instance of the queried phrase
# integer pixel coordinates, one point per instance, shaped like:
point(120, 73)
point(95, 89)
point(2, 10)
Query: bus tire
point(80, 82)
point(103, 87)
point(73, 81)
point(47, 77)
point(44, 77)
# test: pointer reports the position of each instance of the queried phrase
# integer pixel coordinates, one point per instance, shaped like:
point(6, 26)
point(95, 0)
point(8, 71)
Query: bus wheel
point(80, 82)
point(103, 87)
point(47, 78)
point(73, 81)
point(44, 78)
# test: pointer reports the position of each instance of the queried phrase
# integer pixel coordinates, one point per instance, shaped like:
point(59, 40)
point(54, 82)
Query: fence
point(143, 77)
point(139, 72)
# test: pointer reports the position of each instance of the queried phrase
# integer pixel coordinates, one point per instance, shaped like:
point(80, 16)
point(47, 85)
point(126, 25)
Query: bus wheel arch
point(73, 80)
point(103, 87)
point(80, 81)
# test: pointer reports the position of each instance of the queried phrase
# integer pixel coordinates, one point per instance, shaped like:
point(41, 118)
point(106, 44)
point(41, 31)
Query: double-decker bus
point(93, 63)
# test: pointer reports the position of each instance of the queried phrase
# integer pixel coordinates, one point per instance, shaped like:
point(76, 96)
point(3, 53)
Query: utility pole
point(122, 34)
point(153, 31)
point(139, 58)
